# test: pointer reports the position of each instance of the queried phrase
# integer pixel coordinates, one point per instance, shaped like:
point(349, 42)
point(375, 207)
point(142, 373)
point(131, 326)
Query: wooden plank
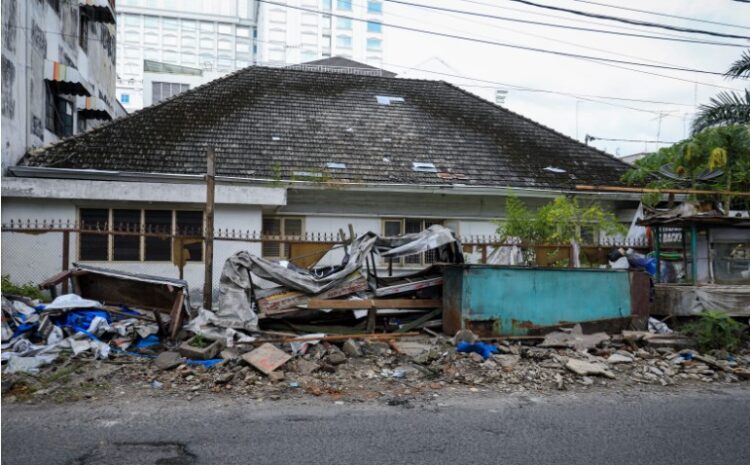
point(287, 301)
point(640, 190)
point(175, 322)
point(372, 303)
point(408, 287)
point(420, 321)
point(208, 259)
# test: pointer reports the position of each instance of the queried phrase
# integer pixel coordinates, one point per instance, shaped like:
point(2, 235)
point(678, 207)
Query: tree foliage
point(558, 222)
point(727, 107)
point(725, 148)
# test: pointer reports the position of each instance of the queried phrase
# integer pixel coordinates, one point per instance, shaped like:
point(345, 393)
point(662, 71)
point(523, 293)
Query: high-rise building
point(220, 36)
point(58, 71)
point(297, 33)
point(214, 35)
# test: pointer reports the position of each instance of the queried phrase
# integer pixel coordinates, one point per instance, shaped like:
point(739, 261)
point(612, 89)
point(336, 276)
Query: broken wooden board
point(411, 286)
point(266, 358)
point(373, 303)
point(287, 301)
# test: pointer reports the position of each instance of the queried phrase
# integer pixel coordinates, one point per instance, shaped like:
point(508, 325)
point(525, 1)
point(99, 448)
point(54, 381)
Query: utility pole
point(209, 232)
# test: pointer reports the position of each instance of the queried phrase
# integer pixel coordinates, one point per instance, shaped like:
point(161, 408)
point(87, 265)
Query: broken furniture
point(112, 287)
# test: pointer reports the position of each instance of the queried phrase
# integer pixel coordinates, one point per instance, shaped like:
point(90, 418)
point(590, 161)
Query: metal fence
point(34, 250)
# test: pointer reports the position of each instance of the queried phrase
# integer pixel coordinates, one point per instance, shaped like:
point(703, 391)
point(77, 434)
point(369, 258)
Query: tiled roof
point(281, 123)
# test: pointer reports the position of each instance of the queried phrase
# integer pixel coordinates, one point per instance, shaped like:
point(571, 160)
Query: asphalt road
point(685, 427)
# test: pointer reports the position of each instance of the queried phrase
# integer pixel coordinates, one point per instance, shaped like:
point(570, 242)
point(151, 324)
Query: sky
point(486, 68)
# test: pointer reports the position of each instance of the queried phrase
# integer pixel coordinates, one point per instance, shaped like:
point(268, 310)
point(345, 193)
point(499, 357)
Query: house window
point(374, 7)
point(83, 31)
point(399, 226)
point(58, 114)
point(344, 5)
point(164, 90)
point(374, 26)
point(137, 247)
point(279, 226)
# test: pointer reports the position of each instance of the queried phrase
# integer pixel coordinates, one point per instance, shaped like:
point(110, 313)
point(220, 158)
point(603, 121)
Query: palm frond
point(741, 67)
point(726, 108)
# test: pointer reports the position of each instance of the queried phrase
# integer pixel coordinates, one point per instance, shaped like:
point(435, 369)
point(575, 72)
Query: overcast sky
point(574, 116)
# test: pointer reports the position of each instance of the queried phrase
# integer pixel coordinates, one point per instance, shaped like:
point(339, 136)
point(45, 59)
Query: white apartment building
point(221, 36)
point(215, 35)
point(58, 71)
point(298, 33)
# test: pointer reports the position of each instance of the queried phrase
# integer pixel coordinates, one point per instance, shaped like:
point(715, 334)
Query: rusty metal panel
point(502, 300)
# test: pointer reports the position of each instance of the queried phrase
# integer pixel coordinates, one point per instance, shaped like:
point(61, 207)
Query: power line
point(563, 26)
point(632, 21)
point(666, 15)
point(502, 44)
point(573, 19)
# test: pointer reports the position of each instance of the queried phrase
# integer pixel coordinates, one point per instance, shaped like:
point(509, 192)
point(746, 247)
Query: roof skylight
point(387, 99)
point(554, 169)
point(423, 167)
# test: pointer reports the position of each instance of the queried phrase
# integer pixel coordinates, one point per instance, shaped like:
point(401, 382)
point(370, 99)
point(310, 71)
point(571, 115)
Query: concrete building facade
point(222, 36)
point(58, 71)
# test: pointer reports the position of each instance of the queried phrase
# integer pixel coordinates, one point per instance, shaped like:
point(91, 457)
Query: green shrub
point(715, 330)
point(28, 290)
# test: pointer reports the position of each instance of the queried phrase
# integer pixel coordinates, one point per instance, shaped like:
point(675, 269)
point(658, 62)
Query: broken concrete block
point(168, 360)
point(276, 376)
point(266, 358)
point(583, 368)
point(574, 339)
point(336, 358)
point(306, 367)
point(189, 350)
point(351, 348)
point(412, 348)
point(619, 358)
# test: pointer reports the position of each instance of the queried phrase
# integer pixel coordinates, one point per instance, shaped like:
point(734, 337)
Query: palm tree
point(727, 107)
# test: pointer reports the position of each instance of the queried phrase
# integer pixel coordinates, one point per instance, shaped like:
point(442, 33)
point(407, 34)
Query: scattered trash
point(481, 348)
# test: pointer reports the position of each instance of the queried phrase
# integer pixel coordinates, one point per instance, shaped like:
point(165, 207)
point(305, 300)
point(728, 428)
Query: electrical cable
point(502, 44)
point(563, 26)
point(631, 21)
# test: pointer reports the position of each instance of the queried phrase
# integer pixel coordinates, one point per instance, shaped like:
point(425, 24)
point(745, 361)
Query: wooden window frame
point(142, 238)
point(283, 252)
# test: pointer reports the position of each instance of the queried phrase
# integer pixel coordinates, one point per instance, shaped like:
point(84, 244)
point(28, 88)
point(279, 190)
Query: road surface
point(669, 427)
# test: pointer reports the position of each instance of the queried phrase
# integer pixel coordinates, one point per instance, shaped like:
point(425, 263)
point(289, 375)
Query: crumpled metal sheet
point(409, 244)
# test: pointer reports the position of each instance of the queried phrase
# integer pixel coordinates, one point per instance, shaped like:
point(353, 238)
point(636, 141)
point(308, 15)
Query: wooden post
point(209, 232)
point(372, 314)
point(65, 258)
point(694, 253)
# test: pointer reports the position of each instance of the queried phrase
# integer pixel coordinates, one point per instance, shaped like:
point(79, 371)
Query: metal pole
point(65, 258)
point(209, 232)
point(694, 253)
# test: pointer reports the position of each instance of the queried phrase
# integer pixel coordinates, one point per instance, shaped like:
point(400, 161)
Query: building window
point(151, 22)
point(125, 98)
point(225, 28)
point(207, 27)
point(326, 5)
point(137, 247)
point(164, 90)
point(243, 32)
point(207, 42)
point(344, 5)
point(169, 23)
point(83, 31)
point(188, 25)
point(280, 226)
point(55, 4)
point(374, 44)
point(133, 20)
point(374, 26)
point(58, 114)
point(344, 23)
point(344, 41)
point(399, 226)
point(374, 7)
